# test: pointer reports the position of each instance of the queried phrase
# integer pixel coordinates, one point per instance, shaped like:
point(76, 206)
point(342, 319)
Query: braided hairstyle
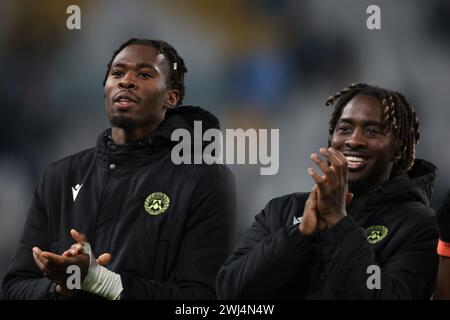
point(175, 64)
point(399, 118)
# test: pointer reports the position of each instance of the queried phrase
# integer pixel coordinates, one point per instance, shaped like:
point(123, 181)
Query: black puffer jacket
point(168, 227)
point(392, 227)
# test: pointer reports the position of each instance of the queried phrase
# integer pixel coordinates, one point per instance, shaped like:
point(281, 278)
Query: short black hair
point(399, 118)
point(176, 66)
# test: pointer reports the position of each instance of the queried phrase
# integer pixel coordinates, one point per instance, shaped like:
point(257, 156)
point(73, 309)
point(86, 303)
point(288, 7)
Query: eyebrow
point(138, 65)
point(366, 123)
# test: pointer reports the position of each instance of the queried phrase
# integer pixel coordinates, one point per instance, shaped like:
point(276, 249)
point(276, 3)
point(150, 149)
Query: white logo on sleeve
point(75, 191)
point(297, 220)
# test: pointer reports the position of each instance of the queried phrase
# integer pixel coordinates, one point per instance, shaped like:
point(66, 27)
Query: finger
point(76, 246)
point(67, 253)
point(39, 263)
point(339, 155)
point(319, 180)
point(343, 164)
point(78, 237)
point(54, 258)
point(104, 259)
point(324, 167)
point(43, 264)
point(335, 162)
point(309, 223)
point(36, 250)
point(313, 195)
point(76, 249)
point(308, 202)
point(334, 158)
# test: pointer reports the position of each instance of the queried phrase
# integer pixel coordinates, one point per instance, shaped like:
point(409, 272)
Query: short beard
point(124, 123)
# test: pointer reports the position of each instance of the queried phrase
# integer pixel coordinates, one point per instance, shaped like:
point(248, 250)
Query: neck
point(357, 190)
point(360, 188)
point(366, 185)
point(122, 136)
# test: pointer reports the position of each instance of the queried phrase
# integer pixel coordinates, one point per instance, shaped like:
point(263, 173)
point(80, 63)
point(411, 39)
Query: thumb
point(349, 198)
point(104, 259)
point(309, 218)
point(78, 237)
point(314, 193)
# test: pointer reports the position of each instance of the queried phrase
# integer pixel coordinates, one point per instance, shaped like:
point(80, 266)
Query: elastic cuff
point(443, 248)
point(333, 235)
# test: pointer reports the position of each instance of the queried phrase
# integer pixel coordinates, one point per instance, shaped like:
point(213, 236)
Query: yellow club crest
point(157, 203)
point(376, 233)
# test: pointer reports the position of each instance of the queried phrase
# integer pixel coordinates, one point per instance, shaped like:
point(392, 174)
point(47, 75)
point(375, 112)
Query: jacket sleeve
point(23, 279)
point(208, 240)
point(408, 274)
point(265, 260)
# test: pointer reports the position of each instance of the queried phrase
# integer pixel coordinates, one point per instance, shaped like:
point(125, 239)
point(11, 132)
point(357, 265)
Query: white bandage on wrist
point(100, 280)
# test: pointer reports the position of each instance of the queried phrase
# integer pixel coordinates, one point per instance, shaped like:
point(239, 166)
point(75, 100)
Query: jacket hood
point(415, 185)
point(142, 152)
point(183, 117)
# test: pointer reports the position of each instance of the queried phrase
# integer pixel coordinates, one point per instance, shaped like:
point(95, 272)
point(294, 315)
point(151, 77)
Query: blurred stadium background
point(254, 63)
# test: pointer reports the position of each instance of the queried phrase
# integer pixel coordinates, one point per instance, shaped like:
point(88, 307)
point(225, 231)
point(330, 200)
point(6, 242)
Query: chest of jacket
point(138, 214)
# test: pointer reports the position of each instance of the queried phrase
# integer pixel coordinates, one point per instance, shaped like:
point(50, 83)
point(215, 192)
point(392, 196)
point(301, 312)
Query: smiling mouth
point(356, 162)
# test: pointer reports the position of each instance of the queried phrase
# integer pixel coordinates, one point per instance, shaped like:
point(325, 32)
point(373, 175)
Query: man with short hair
point(366, 232)
point(164, 229)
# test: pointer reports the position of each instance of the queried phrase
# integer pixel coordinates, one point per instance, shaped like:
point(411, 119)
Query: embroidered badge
point(376, 233)
point(157, 203)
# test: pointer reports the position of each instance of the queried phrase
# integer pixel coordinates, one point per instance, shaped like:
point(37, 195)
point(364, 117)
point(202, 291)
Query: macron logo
point(75, 191)
point(297, 220)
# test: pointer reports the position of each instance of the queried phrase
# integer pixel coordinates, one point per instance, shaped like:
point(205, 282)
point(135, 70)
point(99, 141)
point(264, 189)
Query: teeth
point(354, 159)
point(124, 100)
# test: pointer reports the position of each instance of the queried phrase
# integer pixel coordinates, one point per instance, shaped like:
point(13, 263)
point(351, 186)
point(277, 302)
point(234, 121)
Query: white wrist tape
point(100, 280)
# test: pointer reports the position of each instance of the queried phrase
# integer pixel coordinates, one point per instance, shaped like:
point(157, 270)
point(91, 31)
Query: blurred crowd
point(254, 64)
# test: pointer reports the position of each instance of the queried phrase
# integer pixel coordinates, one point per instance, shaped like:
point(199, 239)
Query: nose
point(128, 82)
point(355, 140)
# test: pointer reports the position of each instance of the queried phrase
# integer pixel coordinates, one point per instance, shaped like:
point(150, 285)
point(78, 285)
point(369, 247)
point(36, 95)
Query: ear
point(397, 156)
point(397, 152)
point(172, 98)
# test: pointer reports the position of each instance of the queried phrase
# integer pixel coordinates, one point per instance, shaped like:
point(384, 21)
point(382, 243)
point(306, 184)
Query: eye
point(145, 75)
point(344, 129)
point(116, 73)
point(373, 131)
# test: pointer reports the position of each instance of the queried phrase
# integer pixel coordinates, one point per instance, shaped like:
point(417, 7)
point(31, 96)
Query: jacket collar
point(141, 153)
point(415, 185)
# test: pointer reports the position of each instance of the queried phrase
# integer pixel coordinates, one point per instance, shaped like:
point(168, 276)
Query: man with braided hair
point(163, 229)
point(365, 231)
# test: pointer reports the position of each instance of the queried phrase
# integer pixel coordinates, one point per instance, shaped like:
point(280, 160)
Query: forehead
point(138, 53)
point(363, 108)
